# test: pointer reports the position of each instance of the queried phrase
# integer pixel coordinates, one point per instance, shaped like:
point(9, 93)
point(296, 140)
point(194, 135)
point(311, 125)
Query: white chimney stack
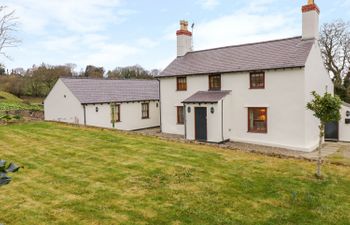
point(184, 39)
point(311, 14)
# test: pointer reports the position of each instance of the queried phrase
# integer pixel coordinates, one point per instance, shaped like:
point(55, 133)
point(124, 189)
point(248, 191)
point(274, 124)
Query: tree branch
point(8, 25)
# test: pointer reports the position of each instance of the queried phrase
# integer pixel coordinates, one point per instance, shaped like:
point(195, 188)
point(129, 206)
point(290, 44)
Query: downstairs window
point(180, 115)
point(257, 120)
point(145, 110)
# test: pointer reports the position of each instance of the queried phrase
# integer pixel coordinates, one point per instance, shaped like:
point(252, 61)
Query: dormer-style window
point(181, 84)
point(215, 82)
point(257, 80)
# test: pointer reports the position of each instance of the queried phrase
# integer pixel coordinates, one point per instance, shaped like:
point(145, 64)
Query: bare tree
point(335, 45)
point(8, 25)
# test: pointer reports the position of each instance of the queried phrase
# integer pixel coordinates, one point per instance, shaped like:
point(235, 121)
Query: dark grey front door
point(201, 123)
point(332, 131)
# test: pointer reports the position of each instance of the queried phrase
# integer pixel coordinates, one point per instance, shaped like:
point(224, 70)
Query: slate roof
point(206, 97)
point(277, 54)
point(89, 91)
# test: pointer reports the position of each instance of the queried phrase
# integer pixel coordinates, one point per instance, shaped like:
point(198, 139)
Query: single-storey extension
point(119, 104)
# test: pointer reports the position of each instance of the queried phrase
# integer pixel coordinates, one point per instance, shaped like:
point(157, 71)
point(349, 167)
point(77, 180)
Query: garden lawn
point(78, 175)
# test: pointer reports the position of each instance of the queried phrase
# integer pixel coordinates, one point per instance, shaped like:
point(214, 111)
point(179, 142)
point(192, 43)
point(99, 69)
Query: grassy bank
point(10, 102)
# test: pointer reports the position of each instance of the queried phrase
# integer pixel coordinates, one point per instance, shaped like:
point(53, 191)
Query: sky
point(113, 33)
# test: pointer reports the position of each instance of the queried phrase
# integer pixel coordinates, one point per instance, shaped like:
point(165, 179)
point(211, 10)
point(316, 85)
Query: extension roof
point(276, 54)
point(90, 91)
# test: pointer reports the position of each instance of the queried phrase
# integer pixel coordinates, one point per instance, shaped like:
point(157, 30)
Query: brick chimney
point(311, 14)
point(184, 39)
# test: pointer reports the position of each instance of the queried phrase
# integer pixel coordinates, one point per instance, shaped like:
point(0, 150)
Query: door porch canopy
point(210, 97)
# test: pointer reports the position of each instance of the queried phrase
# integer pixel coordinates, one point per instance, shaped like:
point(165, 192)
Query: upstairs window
point(257, 80)
point(215, 82)
point(257, 120)
point(180, 115)
point(145, 110)
point(181, 83)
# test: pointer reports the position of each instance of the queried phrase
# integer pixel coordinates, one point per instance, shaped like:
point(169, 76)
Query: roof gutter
point(237, 71)
point(94, 103)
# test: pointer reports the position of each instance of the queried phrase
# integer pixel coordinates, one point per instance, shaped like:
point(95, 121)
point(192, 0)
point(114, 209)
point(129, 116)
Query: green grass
point(33, 100)
point(77, 175)
point(10, 102)
point(7, 97)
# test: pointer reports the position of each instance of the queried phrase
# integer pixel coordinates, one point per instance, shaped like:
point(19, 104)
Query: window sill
point(180, 123)
point(257, 88)
point(181, 90)
point(257, 132)
point(145, 118)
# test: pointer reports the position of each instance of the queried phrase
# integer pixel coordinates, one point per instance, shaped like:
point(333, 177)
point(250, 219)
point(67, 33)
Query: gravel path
point(329, 148)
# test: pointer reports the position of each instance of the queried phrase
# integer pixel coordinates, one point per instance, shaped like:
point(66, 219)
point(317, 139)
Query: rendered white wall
point(284, 96)
point(61, 105)
point(316, 79)
point(170, 99)
point(130, 115)
point(344, 129)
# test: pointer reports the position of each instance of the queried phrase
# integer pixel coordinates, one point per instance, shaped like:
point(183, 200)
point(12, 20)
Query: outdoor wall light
point(189, 109)
point(212, 110)
point(96, 109)
point(347, 113)
point(157, 105)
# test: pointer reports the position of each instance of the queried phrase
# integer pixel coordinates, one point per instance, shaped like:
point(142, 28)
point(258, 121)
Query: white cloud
point(208, 4)
point(74, 31)
point(147, 43)
point(260, 5)
point(255, 22)
point(346, 2)
point(76, 16)
point(110, 55)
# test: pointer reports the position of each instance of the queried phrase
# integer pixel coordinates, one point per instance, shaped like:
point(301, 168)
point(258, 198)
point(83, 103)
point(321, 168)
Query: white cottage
point(255, 93)
point(119, 104)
